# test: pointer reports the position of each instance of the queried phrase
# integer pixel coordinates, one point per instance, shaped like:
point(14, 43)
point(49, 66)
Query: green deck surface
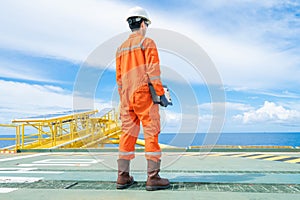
point(92, 175)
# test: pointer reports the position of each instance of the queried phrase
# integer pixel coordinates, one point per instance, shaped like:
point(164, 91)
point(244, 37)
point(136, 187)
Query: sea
point(196, 139)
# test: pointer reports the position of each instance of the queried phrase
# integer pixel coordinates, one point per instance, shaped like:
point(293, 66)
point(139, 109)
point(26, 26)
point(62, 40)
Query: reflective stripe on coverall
point(137, 63)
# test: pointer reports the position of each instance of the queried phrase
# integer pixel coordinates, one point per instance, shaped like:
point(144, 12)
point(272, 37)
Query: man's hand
point(163, 101)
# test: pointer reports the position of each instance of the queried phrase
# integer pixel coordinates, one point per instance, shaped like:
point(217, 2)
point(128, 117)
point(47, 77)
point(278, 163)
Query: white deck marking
point(31, 172)
point(54, 164)
point(7, 190)
point(17, 169)
point(23, 157)
point(26, 171)
point(62, 162)
point(11, 179)
point(68, 161)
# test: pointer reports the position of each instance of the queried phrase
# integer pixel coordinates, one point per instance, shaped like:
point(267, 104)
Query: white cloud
point(22, 94)
point(170, 121)
point(270, 112)
point(176, 122)
point(20, 100)
point(68, 29)
point(72, 29)
point(207, 107)
point(222, 3)
point(251, 48)
point(248, 64)
point(10, 69)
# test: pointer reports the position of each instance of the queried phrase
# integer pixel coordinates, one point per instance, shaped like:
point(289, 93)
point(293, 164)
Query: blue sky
point(255, 46)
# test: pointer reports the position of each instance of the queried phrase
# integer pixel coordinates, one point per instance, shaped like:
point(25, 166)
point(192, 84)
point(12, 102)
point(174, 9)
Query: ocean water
point(4, 143)
point(195, 139)
point(188, 139)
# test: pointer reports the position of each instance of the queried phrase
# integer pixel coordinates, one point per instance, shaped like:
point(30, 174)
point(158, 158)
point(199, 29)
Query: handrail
point(47, 119)
point(65, 131)
point(8, 125)
point(16, 138)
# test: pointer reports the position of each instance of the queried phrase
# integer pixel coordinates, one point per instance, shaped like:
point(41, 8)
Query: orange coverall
point(137, 64)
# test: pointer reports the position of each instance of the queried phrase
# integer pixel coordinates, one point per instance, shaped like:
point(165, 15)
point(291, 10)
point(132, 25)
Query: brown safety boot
point(124, 179)
point(154, 182)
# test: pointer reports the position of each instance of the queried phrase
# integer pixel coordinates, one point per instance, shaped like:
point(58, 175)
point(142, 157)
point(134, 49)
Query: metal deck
point(92, 175)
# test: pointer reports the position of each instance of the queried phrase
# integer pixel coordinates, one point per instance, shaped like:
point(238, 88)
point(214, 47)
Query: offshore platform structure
point(76, 129)
point(82, 129)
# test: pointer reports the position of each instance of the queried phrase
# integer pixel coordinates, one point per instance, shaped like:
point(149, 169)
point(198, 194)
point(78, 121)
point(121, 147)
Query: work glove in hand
point(163, 101)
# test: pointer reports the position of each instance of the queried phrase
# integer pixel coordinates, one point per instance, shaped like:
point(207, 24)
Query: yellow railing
point(76, 130)
point(16, 138)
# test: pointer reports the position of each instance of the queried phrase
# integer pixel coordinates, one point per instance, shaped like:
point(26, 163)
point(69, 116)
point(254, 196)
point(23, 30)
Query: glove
point(163, 101)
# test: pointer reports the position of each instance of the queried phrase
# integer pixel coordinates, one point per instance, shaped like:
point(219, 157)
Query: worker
point(137, 65)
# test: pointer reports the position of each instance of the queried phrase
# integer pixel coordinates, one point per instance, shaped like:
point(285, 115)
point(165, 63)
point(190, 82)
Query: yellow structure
point(10, 149)
point(75, 130)
point(81, 130)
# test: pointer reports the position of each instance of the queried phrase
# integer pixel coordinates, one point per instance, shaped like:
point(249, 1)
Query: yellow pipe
point(17, 137)
point(23, 138)
point(140, 142)
point(6, 139)
point(8, 125)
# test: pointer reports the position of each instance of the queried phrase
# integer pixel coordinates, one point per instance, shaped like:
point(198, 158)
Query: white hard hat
point(138, 12)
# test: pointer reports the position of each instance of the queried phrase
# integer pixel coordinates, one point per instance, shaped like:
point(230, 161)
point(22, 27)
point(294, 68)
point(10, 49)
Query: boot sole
point(121, 187)
point(153, 188)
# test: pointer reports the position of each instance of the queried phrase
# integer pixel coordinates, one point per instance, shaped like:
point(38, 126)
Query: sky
point(254, 46)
